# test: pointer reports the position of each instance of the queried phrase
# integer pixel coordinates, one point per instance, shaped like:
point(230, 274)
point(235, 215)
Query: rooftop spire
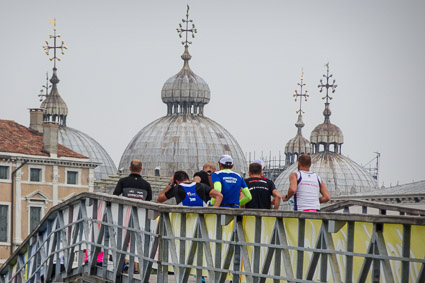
point(298, 145)
point(44, 92)
point(186, 29)
point(55, 109)
point(327, 112)
point(55, 45)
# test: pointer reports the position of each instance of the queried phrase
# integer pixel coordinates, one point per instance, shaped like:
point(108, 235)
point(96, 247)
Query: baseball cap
point(261, 162)
point(226, 159)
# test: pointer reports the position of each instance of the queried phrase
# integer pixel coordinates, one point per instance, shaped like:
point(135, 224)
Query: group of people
point(225, 188)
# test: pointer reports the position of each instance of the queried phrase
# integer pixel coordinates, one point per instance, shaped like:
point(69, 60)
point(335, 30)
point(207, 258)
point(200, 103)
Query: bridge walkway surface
point(92, 236)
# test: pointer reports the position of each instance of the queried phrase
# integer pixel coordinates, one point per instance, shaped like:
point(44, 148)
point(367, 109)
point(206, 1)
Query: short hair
point(180, 176)
point(255, 168)
point(305, 160)
point(211, 165)
point(135, 165)
point(226, 166)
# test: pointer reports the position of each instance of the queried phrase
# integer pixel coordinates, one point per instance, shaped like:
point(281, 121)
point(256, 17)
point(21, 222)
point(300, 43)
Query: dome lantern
point(185, 93)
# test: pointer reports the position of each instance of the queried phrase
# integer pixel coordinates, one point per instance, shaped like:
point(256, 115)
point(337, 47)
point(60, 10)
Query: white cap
point(226, 159)
point(261, 162)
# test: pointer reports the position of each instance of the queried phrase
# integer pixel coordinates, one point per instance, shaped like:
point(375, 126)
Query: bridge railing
point(98, 235)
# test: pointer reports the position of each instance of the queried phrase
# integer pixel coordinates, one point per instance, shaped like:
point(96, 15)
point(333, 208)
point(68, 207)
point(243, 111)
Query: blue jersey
point(231, 185)
point(192, 198)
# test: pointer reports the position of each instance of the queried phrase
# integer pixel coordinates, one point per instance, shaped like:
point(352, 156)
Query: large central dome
point(184, 139)
point(172, 143)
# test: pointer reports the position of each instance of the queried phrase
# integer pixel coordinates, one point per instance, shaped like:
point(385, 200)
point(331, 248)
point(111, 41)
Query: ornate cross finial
point(327, 85)
point(44, 92)
point(47, 47)
point(301, 94)
point(185, 29)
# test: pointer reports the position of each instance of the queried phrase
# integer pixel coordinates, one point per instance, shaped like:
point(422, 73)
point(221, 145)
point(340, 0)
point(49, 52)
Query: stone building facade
point(36, 173)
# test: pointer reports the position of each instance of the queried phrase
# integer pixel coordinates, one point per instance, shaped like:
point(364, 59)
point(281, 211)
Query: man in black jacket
point(134, 186)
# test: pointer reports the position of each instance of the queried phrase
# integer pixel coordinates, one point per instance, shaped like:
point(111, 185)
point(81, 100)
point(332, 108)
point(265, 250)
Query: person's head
point(255, 170)
point(180, 177)
point(209, 167)
point(261, 162)
point(304, 162)
point(136, 166)
point(226, 162)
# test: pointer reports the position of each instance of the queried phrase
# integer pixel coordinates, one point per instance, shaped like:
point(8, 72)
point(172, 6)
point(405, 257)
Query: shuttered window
point(72, 177)
point(35, 175)
point(35, 217)
point(4, 172)
point(3, 222)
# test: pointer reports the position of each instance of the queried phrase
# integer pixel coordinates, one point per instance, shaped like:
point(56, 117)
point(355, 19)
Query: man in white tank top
point(307, 188)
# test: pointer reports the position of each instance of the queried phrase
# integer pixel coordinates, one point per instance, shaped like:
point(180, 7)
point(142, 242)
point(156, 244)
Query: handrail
point(217, 243)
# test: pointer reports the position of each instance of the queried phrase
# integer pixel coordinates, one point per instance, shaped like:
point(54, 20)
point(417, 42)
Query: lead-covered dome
point(183, 139)
point(84, 144)
point(341, 175)
point(185, 86)
point(173, 143)
point(54, 107)
point(326, 133)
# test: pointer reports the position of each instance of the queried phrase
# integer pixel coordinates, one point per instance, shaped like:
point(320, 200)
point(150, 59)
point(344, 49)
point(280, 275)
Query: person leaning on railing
point(188, 193)
point(230, 184)
point(306, 187)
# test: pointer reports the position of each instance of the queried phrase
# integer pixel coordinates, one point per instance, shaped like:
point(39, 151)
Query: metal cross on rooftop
point(301, 94)
point(44, 92)
point(327, 85)
point(185, 29)
point(47, 47)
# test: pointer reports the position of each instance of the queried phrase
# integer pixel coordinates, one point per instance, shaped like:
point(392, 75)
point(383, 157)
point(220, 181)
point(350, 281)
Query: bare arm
point(292, 187)
point(326, 196)
point(161, 196)
point(214, 194)
point(276, 199)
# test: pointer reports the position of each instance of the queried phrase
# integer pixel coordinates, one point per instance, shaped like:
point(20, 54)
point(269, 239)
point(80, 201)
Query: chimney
point(50, 138)
point(36, 119)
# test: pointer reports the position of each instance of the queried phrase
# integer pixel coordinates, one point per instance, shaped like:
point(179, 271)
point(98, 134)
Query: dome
point(173, 143)
point(327, 133)
point(297, 145)
point(185, 86)
point(55, 109)
point(84, 144)
point(341, 175)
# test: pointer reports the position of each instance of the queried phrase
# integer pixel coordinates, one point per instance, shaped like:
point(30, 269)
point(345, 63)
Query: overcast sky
point(249, 52)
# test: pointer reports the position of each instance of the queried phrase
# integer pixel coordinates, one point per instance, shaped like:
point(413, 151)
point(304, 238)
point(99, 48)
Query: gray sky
point(249, 52)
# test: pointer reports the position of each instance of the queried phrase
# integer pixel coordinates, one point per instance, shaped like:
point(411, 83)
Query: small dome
point(173, 143)
point(55, 109)
point(185, 86)
point(84, 144)
point(341, 175)
point(327, 133)
point(298, 145)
